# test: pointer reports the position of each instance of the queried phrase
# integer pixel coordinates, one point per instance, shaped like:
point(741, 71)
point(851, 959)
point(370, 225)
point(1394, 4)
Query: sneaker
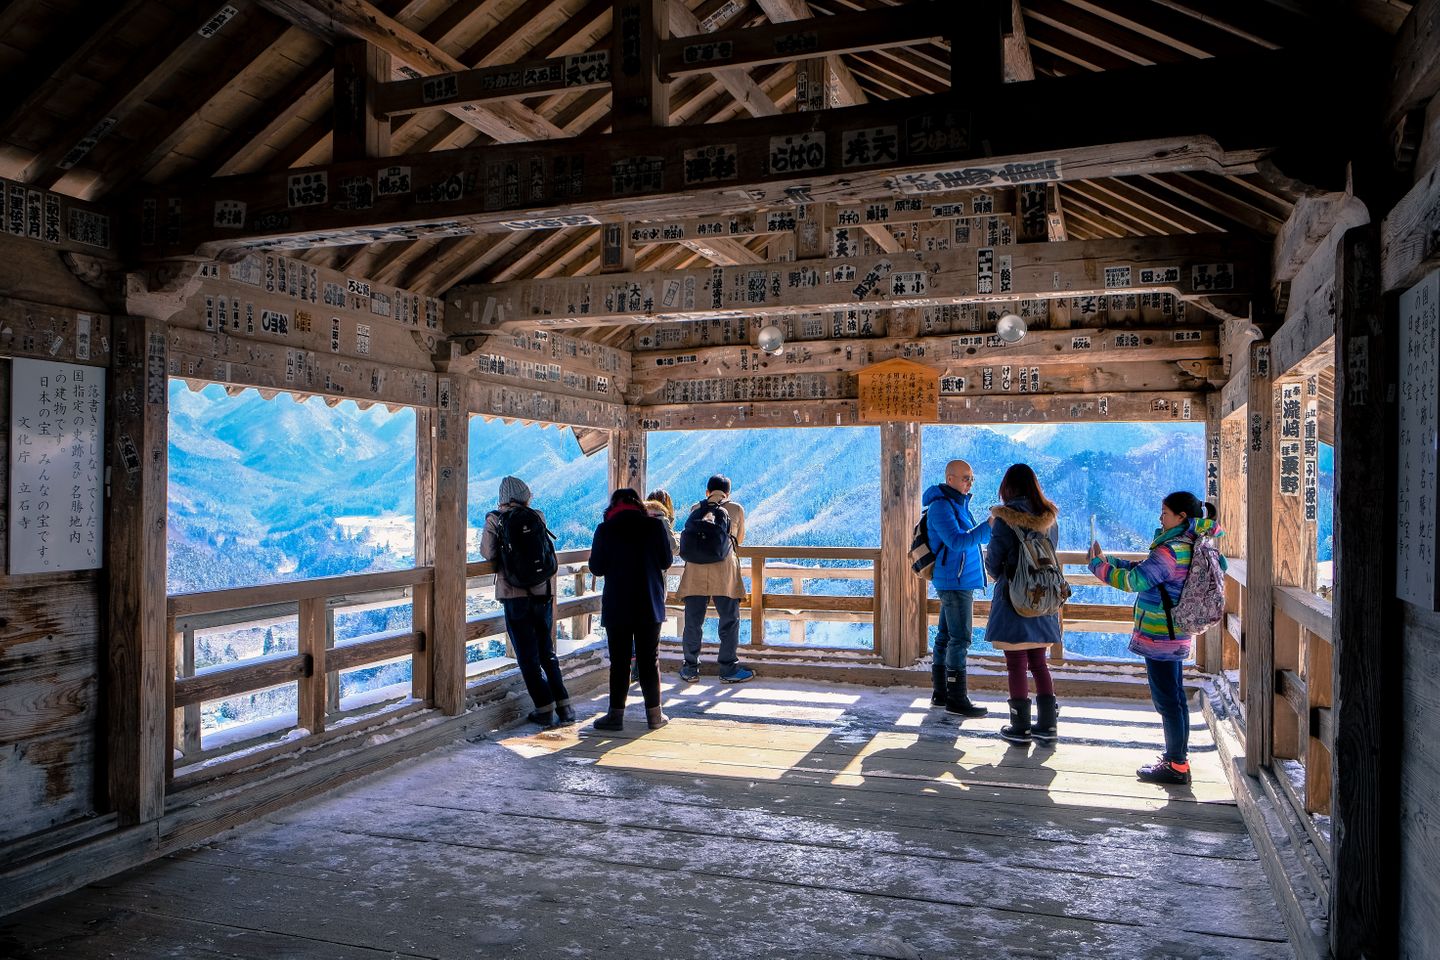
point(1165, 771)
point(737, 674)
point(546, 718)
point(690, 672)
point(564, 715)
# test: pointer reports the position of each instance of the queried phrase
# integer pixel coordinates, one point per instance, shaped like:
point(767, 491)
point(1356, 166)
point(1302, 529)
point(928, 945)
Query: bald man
point(956, 540)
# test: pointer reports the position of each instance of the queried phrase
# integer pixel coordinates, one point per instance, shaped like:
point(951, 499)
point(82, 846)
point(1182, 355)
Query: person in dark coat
point(632, 550)
point(1023, 639)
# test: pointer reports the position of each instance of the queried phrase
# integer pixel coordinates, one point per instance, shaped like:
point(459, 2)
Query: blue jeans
point(530, 622)
point(957, 627)
point(728, 610)
point(1167, 692)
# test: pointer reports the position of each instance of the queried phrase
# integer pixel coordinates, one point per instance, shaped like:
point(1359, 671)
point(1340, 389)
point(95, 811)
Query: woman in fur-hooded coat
point(1023, 639)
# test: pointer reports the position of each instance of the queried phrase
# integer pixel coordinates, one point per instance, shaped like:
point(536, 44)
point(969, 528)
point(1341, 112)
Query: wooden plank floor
point(771, 819)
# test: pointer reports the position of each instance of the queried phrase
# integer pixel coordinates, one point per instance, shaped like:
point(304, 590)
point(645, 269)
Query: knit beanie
point(513, 488)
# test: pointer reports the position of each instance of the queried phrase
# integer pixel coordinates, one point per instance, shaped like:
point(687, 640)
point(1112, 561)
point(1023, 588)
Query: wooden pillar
point(1364, 894)
point(812, 84)
point(616, 254)
point(423, 599)
point(359, 132)
point(1292, 564)
point(899, 594)
point(1233, 469)
point(977, 44)
point(311, 703)
point(1259, 653)
point(452, 448)
point(628, 452)
point(1207, 654)
point(640, 98)
point(137, 690)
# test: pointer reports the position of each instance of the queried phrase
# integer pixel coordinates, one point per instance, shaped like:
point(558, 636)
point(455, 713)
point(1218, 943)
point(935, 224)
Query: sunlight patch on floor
point(776, 711)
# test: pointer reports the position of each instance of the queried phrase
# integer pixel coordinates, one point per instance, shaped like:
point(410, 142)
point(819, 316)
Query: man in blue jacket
point(955, 538)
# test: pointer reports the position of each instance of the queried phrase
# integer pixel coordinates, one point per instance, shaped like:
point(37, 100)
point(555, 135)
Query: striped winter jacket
point(1165, 568)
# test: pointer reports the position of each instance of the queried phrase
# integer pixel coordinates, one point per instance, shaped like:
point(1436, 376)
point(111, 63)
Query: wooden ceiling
point(101, 99)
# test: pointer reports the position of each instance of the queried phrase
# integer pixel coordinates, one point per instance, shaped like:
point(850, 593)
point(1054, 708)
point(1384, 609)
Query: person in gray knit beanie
point(513, 490)
point(529, 618)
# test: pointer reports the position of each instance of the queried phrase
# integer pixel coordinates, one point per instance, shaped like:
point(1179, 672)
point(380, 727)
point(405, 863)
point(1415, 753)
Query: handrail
point(239, 598)
point(1305, 608)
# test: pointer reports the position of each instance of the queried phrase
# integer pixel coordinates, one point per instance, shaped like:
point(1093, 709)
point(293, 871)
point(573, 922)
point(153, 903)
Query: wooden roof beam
point(847, 90)
point(1415, 63)
point(361, 20)
point(1018, 65)
point(746, 47)
point(684, 23)
point(142, 76)
point(1082, 140)
point(1189, 267)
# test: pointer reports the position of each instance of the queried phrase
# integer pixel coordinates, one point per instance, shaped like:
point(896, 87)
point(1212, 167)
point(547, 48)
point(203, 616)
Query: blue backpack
point(705, 537)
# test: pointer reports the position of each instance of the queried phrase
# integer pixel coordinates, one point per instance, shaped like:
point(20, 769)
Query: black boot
point(957, 697)
point(937, 684)
point(1047, 711)
point(1018, 729)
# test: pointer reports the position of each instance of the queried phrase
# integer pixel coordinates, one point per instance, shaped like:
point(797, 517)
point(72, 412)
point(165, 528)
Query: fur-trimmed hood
point(1039, 522)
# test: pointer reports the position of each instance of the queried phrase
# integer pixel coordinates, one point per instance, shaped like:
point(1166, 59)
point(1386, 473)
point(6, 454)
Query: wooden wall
point(1419, 777)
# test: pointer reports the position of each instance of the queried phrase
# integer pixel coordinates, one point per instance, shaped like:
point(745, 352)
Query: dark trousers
point(953, 636)
point(1167, 692)
point(642, 640)
point(530, 622)
point(728, 610)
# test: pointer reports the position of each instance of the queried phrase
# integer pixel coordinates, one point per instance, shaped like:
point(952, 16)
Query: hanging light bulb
point(1010, 328)
point(771, 340)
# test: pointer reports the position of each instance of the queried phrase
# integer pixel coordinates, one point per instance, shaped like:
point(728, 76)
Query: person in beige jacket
point(720, 582)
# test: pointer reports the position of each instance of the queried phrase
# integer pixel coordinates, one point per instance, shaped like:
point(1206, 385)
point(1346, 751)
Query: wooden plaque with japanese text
point(899, 390)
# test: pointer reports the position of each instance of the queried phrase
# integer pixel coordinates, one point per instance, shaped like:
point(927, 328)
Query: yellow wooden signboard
point(899, 390)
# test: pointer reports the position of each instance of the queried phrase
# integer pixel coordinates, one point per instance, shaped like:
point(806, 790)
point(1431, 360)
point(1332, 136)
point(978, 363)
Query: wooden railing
point(1303, 725)
point(316, 663)
point(764, 563)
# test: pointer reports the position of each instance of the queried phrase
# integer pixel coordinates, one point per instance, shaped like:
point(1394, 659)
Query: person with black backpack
point(523, 550)
point(713, 530)
point(1022, 553)
point(959, 570)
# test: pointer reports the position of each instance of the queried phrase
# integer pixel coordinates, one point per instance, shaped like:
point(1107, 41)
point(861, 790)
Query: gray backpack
point(1037, 587)
point(1202, 598)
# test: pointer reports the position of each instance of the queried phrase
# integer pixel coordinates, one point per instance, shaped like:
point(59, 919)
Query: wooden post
point(1259, 653)
point(899, 594)
point(580, 623)
point(757, 601)
point(359, 132)
point(1364, 887)
point(797, 624)
point(332, 677)
point(310, 709)
point(1207, 654)
point(1292, 552)
point(616, 254)
point(190, 722)
point(812, 84)
point(627, 456)
point(422, 600)
point(137, 689)
point(640, 98)
point(447, 646)
point(1234, 465)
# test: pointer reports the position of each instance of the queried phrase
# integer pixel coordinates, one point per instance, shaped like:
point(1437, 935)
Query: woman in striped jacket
point(1182, 520)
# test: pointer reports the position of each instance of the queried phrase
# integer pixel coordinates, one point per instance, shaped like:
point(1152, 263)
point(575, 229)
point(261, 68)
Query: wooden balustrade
point(1303, 726)
point(314, 666)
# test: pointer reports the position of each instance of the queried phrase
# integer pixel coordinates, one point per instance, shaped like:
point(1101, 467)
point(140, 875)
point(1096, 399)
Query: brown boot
point(655, 717)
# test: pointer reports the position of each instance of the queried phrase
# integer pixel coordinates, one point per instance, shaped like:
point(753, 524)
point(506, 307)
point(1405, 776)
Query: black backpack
point(706, 535)
point(527, 548)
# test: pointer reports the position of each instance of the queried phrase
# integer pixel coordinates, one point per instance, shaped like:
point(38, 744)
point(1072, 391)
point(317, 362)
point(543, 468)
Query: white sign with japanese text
point(57, 465)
